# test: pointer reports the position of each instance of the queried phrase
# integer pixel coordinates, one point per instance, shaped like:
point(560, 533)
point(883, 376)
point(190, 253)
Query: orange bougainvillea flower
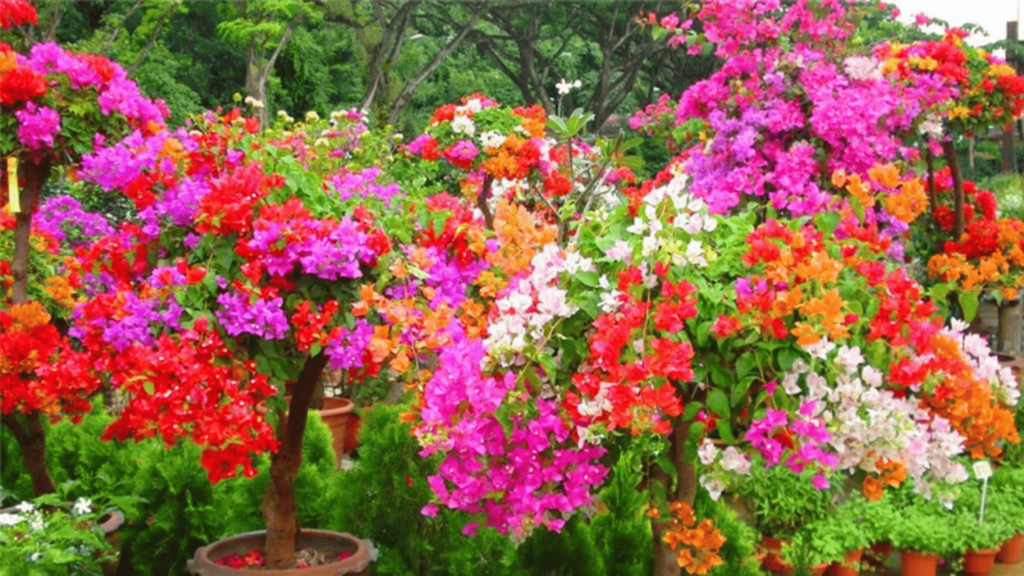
point(887, 175)
point(860, 190)
point(698, 544)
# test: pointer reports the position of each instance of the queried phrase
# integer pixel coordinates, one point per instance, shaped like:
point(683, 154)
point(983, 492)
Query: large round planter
point(980, 562)
point(351, 442)
point(918, 564)
point(877, 557)
point(772, 562)
point(850, 566)
point(110, 524)
point(1012, 551)
point(337, 414)
point(204, 562)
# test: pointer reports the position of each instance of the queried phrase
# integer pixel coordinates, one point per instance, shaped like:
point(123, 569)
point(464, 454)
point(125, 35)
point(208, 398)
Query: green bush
point(1009, 191)
point(738, 551)
point(380, 499)
point(239, 501)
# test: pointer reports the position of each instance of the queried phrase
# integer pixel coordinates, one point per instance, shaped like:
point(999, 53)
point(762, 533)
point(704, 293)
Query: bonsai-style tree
point(241, 277)
point(55, 106)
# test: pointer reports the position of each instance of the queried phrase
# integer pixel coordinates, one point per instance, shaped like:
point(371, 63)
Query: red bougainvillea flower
point(20, 85)
point(16, 13)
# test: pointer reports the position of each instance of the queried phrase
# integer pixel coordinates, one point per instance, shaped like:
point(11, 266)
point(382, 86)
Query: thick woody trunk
point(35, 176)
point(256, 83)
point(32, 437)
point(32, 442)
point(685, 491)
point(933, 199)
point(958, 188)
point(279, 508)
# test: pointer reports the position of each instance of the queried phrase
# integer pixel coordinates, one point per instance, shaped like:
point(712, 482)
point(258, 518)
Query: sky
point(992, 15)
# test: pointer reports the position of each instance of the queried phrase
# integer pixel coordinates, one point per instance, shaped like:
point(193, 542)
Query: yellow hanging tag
point(13, 195)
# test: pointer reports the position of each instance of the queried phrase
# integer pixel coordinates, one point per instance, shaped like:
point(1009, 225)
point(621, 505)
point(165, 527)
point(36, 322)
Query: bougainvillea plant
point(55, 107)
point(265, 245)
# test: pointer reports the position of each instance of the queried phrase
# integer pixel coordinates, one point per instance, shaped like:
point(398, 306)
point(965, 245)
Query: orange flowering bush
point(698, 543)
point(988, 258)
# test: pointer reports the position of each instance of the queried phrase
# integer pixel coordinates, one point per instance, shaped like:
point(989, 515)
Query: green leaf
point(718, 403)
point(725, 431)
point(148, 387)
point(665, 464)
point(589, 278)
point(969, 304)
point(739, 393)
point(745, 363)
point(690, 412)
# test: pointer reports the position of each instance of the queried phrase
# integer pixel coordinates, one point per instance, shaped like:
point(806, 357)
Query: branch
point(284, 38)
point(415, 81)
point(152, 40)
point(117, 29)
point(51, 31)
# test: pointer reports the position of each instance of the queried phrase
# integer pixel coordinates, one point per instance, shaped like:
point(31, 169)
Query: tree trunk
point(933, 199)
point(482, 200)
point(958, 188)
point(685, 491)
point(35, 175)
point(279, 508)
point(256, 83)
point(32, 442)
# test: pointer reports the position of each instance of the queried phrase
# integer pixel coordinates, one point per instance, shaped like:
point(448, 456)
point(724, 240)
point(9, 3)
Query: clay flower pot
point(918, 563)
point(877, 557)
point(339, 416)
point(1012, 551)
point(110, 524)
point(850, 566)
point(772, 562)
point(819, 569)
point(980, 562)
point(332, 543)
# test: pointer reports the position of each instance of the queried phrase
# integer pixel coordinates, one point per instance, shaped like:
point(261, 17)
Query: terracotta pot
point(980, 562)
point(818, 570)
point(918, 564)
point(204, 562)
point(337, 414)
point(1012, 551)
point(355, 422)
point(772, 562)
point(850, 566)
point(110, 524)
point(877, 557)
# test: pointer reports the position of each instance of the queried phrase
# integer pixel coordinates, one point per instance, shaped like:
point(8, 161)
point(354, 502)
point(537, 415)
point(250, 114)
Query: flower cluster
point(514, 466)
point(698, 543)
point(261, 249)
point(50, 83)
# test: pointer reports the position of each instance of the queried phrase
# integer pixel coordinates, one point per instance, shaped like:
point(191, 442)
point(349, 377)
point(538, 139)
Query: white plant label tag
point(982, 470)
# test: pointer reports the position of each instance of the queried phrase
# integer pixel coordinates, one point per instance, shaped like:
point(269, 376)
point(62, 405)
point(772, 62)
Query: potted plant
point(840, 538)
point(877, 519)
point(979, 541)
point(264, 279)
point(51, 535)
point(782, 503)
point(56, 106)
point(1006, 501)
point(806, 556)
point(922, 535)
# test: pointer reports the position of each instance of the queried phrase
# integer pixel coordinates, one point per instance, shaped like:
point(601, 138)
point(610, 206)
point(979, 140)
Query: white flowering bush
point(49, 537)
